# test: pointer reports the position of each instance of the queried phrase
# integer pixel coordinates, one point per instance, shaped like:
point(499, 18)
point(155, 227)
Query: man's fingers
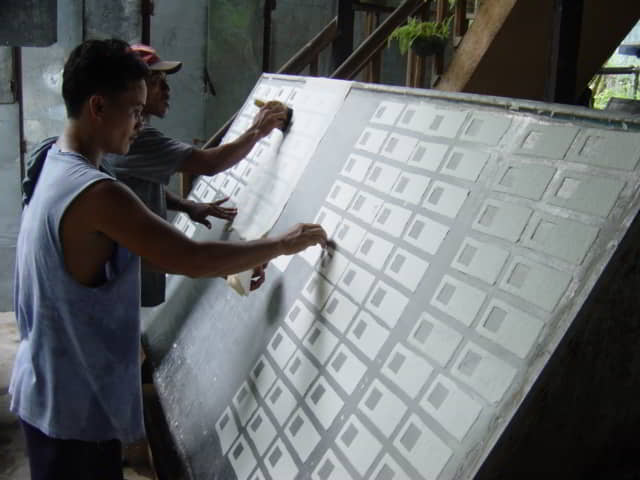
point(316, 233)
point(258, 278)
point(221, 201)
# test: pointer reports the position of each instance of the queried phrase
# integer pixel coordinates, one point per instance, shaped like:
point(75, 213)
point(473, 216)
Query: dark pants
point(56, 459)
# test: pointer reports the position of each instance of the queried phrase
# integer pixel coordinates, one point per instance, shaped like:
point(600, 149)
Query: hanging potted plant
point(424, 38)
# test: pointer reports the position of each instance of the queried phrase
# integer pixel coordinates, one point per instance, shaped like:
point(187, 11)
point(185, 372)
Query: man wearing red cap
point(154, 157)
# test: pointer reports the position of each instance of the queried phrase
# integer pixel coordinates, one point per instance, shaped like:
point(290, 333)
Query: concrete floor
point(14, 464)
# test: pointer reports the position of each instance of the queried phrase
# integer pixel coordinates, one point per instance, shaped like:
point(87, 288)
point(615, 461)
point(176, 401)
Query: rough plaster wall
point(44, 113)
point(179, 32)
point(234, 56)
point(27, 22)
point(9, 179)
point(115, 18)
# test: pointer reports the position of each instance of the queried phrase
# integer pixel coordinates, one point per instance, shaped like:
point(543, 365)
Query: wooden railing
point(368, 55)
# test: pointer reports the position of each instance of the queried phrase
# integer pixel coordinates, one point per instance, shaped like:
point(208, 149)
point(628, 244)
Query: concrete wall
point(9, 179)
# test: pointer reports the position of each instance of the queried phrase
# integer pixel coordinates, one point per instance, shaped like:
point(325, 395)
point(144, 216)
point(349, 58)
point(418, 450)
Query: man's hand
point(302, 236)
point(272, 115)
point(198, 212)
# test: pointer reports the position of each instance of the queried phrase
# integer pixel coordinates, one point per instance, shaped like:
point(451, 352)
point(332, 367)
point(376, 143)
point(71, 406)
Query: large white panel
point(387, 113)
point(367, 334)
point(524, 180)
point(382, 176)
point(242, 459)
point(426, 234)
point(452, 408)
point(261, 431)
point(398, 147)
point(329, 220)
point(560, 237)
point(487, 374)
point(330, 468)
point(301, 372)
point(422, 448)
point(428, 155)
point(513, 329)
point(299, 319)
point(279, 462)
point(281, 347)
point(356, 282)
point(546, 140)
point(383, 408)
point(501, 219)
point(245, 403)
point(346, 369)
point(445, 199)
point(371, 140)
point(587, 193)
point(541, 285)
point(356, 167)
point(358, 444)
point(365, 206)
point(435, 339)
point(608, 149)
point(349, 236)
point(410, 187)
point(392, 219)
point(320, 341)
point(227, 430)
point(481, 260)
point(388, 469)
point(386, 303)
point(374, 251)
point(486, 128)
point(339, 311)
point(263, 375)
point(281, 401)
point(465, 164)
point(317, 290)
point(332, 265)
point(458, 299)
point(407, 370)
point(302, 434)
point(341, 194)
point(406, 269)
point(324, 402)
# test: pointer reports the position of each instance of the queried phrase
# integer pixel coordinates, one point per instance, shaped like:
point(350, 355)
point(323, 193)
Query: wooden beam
point(376, 41)
point(567, 24)
point(343, 45)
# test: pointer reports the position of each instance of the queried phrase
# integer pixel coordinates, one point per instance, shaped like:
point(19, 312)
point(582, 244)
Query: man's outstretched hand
point(302, 236)
point(272, 115)
point(198, 212)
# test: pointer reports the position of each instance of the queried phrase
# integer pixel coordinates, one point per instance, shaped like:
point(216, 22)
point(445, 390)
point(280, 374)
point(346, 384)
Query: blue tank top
point(77, 370)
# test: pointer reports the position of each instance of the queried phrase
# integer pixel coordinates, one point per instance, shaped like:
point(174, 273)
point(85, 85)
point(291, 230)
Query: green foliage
point(406, 34)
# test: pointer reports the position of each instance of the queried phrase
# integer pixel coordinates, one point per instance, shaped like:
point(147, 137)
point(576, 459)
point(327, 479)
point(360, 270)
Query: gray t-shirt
point(147, 169)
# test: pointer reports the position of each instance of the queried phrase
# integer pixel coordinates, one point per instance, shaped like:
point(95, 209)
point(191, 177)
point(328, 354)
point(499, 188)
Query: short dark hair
point(99, 67)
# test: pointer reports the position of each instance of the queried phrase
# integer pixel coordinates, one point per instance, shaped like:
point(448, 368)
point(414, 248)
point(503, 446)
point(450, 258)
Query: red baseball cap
point(151, 58)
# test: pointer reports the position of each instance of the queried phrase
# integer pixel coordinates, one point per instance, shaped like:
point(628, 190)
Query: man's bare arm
point(120, 215)
point(218, 159)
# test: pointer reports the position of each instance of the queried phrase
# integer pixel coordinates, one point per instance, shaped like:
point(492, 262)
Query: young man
point(154, 157)
point(76, 379)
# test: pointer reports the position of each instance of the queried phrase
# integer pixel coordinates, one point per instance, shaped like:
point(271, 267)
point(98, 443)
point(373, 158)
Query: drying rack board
point(470, 232)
